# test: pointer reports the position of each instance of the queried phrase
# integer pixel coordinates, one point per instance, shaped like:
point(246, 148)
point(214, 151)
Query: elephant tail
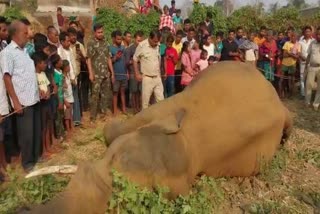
point(288, 126)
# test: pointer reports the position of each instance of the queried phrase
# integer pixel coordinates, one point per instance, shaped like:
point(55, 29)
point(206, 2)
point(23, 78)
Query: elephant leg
point(288, 126)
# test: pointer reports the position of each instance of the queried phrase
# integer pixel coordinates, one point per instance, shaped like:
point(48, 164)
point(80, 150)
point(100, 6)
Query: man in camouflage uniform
point(100, 73)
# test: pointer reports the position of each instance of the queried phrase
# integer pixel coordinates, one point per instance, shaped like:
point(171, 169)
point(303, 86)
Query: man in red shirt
point(170, 63)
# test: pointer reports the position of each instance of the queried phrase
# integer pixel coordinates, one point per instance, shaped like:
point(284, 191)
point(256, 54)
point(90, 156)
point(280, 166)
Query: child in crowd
point(67, 95)
point(208, 46)
point(291, 53)
point(59, 101)
point(177, 20)
point(40, 59)
point(250, 50)
point(187, 69)
point(218, 45)
point(195, 54)
point(171, 59)
point(211, 60)
point(120, 72)
point(203, 62)
point(177, 44)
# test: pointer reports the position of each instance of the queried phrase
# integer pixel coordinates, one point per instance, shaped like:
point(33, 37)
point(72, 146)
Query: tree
point(247, 17)
point(284, 17)
point(299, 4)
point(274, 7)
point(199, 14)
point(219, 3)
point(260, 8)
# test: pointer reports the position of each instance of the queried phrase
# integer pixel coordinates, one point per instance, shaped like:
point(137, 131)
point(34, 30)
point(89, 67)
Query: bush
point(251, 18)
point(25, 192)
point(13, 13)
point(113, 20)
point(283, 18)
point(199, 14)
point(127, 197)
point(246, 17)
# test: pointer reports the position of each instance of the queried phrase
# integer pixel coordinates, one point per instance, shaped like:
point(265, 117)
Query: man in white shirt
point(18, 72)
point(305, 42)
point(190, 37)
point(313, 71)
point(66, 53)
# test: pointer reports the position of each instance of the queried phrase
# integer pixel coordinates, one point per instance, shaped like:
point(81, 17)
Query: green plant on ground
point(309, 155)
point(268, 207)
point(310, 198)
point(271, 171)
point(127, 197)
point(23, 192)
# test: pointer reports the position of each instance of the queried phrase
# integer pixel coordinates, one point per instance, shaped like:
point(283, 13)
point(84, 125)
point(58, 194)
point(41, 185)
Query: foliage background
point(249, 17)
point(113, 20)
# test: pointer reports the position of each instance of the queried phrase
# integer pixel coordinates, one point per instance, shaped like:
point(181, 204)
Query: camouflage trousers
point(101, 97)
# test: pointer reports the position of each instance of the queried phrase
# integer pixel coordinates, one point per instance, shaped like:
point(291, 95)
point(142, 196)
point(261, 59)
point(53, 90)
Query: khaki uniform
point(101, 97)
point(149, 58)
point(313, 73)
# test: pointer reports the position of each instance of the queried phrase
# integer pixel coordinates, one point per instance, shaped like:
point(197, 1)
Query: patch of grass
point(99, 136)
point(268, 207)
point(310, 198)
point(24, 192)
point(309, 155)
point(271, 172)
point(205, 197)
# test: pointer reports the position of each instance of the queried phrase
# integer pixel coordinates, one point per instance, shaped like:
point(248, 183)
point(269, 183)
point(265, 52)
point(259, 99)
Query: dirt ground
point(289, 184)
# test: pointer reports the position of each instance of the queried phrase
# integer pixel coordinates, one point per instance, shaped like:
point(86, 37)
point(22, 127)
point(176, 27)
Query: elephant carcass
point(226, 123)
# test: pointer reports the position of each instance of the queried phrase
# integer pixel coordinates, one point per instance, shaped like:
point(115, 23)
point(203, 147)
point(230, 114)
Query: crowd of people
point(48, 81)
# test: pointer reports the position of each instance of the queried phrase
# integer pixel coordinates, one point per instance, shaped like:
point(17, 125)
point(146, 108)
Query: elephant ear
point(170, 124)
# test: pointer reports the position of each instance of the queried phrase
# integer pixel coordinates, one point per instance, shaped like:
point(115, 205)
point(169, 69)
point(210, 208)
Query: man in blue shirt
point(120, 71)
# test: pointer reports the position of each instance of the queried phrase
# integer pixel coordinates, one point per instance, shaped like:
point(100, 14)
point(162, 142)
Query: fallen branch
point(64, 169)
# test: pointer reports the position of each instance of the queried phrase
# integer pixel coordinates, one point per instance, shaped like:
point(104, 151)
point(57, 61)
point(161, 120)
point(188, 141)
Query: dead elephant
point(226, 123)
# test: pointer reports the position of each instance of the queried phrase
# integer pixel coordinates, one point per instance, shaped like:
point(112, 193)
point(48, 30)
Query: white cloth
point(304, 47)
point(67, 90)
point(210, 50)
point(43, 82)
point(302, 79)
point(68, 55)
point(250, 55)
point(191, 43)
point(314, 52)
point(18, 64)
point(4, 106)
point(203, 64)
